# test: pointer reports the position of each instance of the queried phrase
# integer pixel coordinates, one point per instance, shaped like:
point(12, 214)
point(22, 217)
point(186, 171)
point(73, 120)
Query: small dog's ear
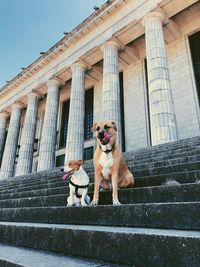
point(80, 161)
point(114, 125)
point(93, 129)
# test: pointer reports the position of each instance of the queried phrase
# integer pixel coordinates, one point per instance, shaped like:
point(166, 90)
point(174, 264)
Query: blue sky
point(28, 27)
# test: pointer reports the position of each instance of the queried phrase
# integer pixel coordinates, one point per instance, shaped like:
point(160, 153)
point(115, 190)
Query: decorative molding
point(152, 15)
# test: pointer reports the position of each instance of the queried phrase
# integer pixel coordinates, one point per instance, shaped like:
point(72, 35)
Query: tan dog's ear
point(93, 129)
point(114, 126)
point(80, 162)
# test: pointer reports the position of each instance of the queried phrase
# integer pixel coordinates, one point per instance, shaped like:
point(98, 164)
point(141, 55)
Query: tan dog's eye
point(98, 128)
point(106, 127)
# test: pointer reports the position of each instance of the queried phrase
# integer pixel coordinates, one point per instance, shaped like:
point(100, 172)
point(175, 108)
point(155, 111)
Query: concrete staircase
point(157, 225)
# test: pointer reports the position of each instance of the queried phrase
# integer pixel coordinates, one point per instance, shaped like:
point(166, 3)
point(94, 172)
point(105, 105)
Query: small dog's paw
point(83, 204)
point(94, 202)
point(116, 202)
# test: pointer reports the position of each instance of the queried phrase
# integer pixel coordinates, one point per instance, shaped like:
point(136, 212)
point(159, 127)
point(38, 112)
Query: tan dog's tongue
point(106, 138)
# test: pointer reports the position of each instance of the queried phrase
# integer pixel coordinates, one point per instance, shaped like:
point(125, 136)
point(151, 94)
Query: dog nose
point(62, 169)
point(101, 134)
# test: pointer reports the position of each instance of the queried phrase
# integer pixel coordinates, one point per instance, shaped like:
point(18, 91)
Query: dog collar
point(77, 187)
point(107, 151)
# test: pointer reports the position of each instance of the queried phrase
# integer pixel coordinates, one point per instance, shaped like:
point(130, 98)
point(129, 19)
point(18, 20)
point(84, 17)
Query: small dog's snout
point(62, 169)
point(101, 134)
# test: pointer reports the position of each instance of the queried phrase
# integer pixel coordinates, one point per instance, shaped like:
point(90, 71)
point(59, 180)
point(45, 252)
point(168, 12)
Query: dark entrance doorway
point(194, 41)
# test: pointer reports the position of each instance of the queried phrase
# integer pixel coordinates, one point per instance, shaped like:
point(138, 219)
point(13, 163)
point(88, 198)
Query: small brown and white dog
point(110, 168)
point(78, 184)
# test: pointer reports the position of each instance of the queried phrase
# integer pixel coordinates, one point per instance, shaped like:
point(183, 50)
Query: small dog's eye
point(98, 128)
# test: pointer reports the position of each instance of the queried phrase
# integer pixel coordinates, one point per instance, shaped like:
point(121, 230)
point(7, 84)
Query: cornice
point(62, 43)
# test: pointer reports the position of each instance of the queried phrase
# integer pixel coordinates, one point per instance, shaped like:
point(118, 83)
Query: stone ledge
point(11, 256)
point(122, 245)
point(171, 215)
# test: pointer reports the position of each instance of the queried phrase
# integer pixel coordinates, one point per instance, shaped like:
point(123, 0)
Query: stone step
point(11, 256)
point(150, 152)
point(142, 170)
point(177, 215)
point(32, 177)
point(25, 184)
point(160, 179)
point(155, 194)
point(33, 187)
point(62, 186)
point(57, 184)
point(181, 144)
point(158, 153)
point(166, 170)
point(164, 163)
point(138, 166)
point(133, 156)
point(124, 245)
point(38, 192)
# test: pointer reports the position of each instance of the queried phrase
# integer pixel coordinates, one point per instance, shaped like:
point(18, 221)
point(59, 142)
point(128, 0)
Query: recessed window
point(147, 100)
point(194, 40)
point(64, 123)
point(88, 153)
point(121, 84)
point(89, 96)
point(60, 160)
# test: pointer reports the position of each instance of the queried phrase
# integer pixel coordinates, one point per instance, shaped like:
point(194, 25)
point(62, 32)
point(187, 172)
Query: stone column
point(3, 122)
point(48, 139)
point(111, 88)
point(9, 155)
point(24, 164)
point(75, 135)
point(163, 119)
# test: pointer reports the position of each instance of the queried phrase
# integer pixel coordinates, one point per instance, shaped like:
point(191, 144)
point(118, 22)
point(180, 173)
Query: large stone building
point(135, 62)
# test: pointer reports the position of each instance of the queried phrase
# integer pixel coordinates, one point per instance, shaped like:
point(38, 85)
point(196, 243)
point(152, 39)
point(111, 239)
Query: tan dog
point(110, 168)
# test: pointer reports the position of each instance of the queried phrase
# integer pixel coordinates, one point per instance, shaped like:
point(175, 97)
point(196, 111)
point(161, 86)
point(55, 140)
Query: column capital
point(17, 105)
point(151, 15)
point(34, 94)
point(111, 43)
point(54, 82)
point(78, 65)
point(4, 114)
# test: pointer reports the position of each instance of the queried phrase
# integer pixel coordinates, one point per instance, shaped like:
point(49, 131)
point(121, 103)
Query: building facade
point(134, 62)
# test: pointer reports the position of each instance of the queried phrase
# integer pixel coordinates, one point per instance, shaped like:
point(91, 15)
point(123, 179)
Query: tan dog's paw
point(94, 202)
point(116, 202)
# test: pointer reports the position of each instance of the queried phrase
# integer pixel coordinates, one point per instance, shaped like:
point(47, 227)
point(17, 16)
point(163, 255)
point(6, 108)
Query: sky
point(28, 27)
